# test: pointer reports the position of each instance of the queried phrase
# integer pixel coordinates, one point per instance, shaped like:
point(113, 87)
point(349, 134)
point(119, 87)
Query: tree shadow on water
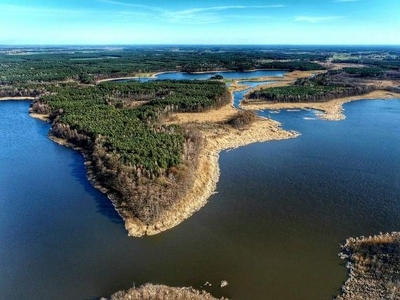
point(103, 204)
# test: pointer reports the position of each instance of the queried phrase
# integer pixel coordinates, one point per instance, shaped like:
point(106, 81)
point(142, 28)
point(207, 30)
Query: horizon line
point(184, 44)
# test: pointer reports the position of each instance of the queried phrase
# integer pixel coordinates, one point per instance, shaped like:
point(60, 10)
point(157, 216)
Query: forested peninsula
point(146, 166)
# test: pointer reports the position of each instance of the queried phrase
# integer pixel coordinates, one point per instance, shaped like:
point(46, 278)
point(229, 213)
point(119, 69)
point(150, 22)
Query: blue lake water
point(272, 230)
point(207, 75)
point(226, 75)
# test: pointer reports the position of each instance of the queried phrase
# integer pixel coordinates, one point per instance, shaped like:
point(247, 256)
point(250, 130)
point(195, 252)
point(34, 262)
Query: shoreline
point(159, 291)
point(150, 75)
point(17, 98)
point(372, 264)
point(90, 175)
point(331, 110)
point(208, 171)
point(217, 138)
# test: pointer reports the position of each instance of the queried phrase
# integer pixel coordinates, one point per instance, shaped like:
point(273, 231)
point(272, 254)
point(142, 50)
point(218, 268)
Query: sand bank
point(45, 118)
point(330, 110)
point(150, 291)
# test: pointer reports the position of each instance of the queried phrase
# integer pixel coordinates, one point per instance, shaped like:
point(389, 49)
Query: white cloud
point(316, 19)
point(211, 14)
point(221, 8)
point(198, 15)
point(119, 3)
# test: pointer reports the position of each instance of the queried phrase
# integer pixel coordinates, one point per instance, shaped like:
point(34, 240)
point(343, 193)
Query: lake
point(272, 231)
point(207, 75)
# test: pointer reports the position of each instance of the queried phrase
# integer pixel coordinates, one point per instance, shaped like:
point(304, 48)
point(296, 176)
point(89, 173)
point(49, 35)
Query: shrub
point(242, 118)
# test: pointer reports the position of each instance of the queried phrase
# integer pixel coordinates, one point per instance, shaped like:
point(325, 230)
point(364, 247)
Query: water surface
point(207, 75)
point(226, 75)
point(272, 230)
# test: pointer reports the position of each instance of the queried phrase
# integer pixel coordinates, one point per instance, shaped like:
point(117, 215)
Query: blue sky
point(199, 22)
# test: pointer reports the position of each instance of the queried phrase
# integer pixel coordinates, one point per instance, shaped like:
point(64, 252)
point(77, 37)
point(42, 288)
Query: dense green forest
point(322, 87)
point(120, 128)
point(93, 64)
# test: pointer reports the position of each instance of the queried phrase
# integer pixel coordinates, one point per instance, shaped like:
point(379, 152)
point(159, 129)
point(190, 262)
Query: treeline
point(386, 64)
point(319, 88)
point(21, 91)
point(317, 93)
point(243, 65)
point(368, 72)
point(132, 154)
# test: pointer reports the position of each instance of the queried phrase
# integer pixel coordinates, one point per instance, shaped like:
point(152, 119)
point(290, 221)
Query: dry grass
point(374, 267)
point(217, 137)
point(161, 292)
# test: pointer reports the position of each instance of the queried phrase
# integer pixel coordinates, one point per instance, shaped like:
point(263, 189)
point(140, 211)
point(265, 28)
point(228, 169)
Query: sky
point(90, 22)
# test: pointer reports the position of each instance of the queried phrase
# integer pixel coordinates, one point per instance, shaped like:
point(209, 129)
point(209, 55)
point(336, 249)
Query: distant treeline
point(386, 64)
point(120, 127)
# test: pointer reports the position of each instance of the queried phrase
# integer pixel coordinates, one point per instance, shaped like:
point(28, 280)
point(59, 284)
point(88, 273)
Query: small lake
point(207, 75)
point(272, 231)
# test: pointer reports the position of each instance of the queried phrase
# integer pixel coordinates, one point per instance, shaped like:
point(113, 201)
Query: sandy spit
point(331, 110)
point(45, 118)
point(16, 98)
point(217, 139)
point(137, 76)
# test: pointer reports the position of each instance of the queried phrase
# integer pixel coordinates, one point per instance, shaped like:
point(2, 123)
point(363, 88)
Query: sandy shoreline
point(17, 98)
point(331, 110)
point(217, 139)
point(146, 75)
